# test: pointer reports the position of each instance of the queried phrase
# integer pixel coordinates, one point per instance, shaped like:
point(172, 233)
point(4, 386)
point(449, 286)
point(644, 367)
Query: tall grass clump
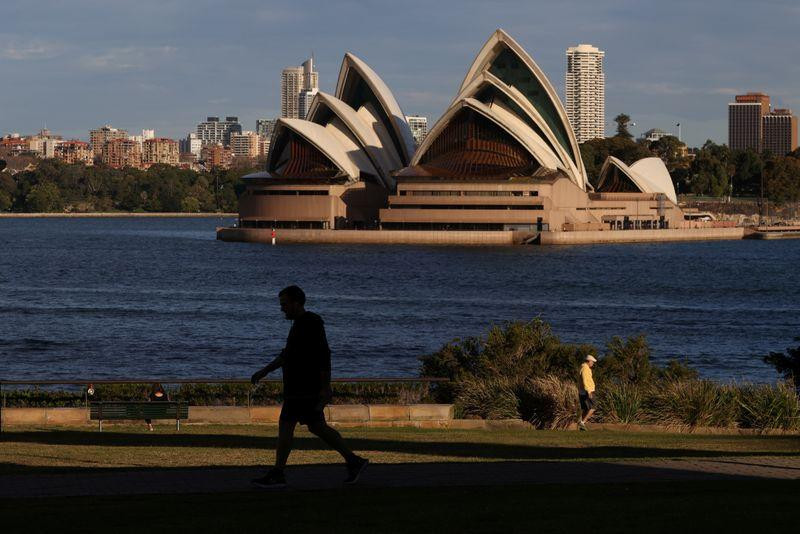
point(767, 407)
point(495, 398)
point(693, 403)
point(548, 402)
point(621, 402)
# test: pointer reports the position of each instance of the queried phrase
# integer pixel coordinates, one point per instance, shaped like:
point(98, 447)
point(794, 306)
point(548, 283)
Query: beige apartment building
point(295, 80)
point(119, 153)
point(246, 144)
point(585, 84)
point(160, 150)
point(74, 151)
point(216, 156)
point(99, 137)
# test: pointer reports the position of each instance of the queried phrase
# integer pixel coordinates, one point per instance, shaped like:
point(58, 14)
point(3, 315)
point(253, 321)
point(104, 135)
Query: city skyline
point(153, 72)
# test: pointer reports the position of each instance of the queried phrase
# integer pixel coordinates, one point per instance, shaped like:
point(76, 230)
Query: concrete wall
point(637, 236)
point(411, 237)
point(341, 414)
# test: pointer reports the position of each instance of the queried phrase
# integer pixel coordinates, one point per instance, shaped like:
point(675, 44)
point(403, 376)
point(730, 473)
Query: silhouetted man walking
point(306, 364)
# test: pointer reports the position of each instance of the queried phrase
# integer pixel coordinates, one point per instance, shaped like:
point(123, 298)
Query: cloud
point(16, 48)
point(129, 58)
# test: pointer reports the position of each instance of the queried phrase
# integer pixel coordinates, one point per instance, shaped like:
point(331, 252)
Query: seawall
point(114, 214)
point(642, 236)
point(478, 238)
point(373, 237)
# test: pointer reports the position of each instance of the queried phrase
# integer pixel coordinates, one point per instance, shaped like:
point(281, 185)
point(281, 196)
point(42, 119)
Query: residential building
point(780, 131)
point(191, 145)
point(74, 151)
point(160, 150)
point(246, 144)
point(745, 121)
point(419, 127)
point(586, 93)
point(305, 98)
point(216, 156)
point(654, 134)
point(264, 127)
point(119, 153)
point(99, 137)
point(213, 130)
point(293, 81)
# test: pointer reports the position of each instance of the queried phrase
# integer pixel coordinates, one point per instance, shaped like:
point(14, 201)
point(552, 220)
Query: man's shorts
point(303, 411)
point(587, 403)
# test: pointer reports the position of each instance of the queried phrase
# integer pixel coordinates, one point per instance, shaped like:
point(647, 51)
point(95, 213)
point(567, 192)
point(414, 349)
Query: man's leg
point(285, 435)
point(332, 438)
point(588, 415)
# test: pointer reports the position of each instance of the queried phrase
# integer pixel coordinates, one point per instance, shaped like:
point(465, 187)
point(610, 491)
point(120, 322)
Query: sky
point(167, 64)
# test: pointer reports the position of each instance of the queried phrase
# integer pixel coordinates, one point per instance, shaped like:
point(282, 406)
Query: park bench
point(137, 410)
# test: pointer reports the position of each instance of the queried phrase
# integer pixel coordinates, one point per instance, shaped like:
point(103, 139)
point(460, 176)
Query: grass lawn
point(28, 449)
point(732, 506)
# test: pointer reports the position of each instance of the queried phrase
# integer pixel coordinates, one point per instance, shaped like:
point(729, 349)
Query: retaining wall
point(642, 236)
point(373, 237)
point(343, 414)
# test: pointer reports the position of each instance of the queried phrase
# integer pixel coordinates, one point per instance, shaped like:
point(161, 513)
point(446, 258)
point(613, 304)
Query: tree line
point(54, 186)
point(714, 170)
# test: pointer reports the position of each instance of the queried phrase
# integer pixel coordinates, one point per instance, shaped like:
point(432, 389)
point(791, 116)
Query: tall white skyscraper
point(294, 80)
point(586, 91)
point(419, 127)
point(304, 102)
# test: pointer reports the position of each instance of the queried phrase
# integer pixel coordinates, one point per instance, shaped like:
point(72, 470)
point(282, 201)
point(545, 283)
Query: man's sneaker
point(274, 479)
point(354, 470)
point(581, 426)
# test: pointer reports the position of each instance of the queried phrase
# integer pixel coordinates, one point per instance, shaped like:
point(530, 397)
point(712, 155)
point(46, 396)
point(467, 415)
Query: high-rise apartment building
point(214, 131)
point(74, 151)
point(191, 145)
point(264, 127)
point(779, 128)
point(745, 121)
point(160, 150)
point(295, 80)
point(419, 127)
point(99, 137)
point(246, 144)
point(217, 156)
point(304, 100)
point(119, 153)
point(586, 91)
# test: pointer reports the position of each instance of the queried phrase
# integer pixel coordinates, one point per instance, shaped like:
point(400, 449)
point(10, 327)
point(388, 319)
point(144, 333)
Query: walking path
point(313, 477)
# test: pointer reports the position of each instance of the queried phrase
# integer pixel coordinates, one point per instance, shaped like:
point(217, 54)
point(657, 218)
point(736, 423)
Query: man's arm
point(277, 363)
point(324, 353)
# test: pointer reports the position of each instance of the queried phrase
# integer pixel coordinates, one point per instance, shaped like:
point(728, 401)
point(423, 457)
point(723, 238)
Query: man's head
point(591, 360)
point(293, 302)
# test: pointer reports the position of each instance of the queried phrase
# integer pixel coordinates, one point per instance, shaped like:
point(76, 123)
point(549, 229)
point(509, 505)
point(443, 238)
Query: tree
point(782, 177)
point(787, 364)
point(5, 201)
point(44, 197)
point(622, 121)
point(709, 170)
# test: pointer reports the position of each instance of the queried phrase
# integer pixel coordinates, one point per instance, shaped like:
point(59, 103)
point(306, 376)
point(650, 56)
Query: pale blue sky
point(167, 64)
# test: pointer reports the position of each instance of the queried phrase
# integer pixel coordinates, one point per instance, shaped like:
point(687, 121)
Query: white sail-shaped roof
point(525, 111)
point(322, 139)
point(507, 121)
point(382, 159)
point(505, 59)
point(649, 175)
point(389, 112)
point(653, 171)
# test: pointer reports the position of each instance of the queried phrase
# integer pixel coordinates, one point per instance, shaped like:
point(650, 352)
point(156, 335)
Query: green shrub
point(621, 403)
point(548, 402)
point(766, 407)
point(517, 350)
point(693, 403)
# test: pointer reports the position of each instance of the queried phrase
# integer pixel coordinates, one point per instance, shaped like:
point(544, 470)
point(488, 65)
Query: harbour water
point(136, 297)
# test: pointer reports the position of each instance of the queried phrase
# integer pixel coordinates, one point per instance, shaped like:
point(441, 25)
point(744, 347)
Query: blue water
point(116, 298)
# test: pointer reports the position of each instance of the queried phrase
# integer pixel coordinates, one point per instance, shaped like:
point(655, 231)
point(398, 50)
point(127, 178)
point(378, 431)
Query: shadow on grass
point(458, 449)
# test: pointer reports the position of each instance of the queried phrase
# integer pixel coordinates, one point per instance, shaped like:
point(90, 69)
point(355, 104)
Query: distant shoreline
point(113, 214)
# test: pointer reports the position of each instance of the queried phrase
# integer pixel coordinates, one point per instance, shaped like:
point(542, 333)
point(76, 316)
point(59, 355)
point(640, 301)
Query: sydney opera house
point(502, 157)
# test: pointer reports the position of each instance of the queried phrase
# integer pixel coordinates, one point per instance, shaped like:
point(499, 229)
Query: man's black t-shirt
point(306, 358)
